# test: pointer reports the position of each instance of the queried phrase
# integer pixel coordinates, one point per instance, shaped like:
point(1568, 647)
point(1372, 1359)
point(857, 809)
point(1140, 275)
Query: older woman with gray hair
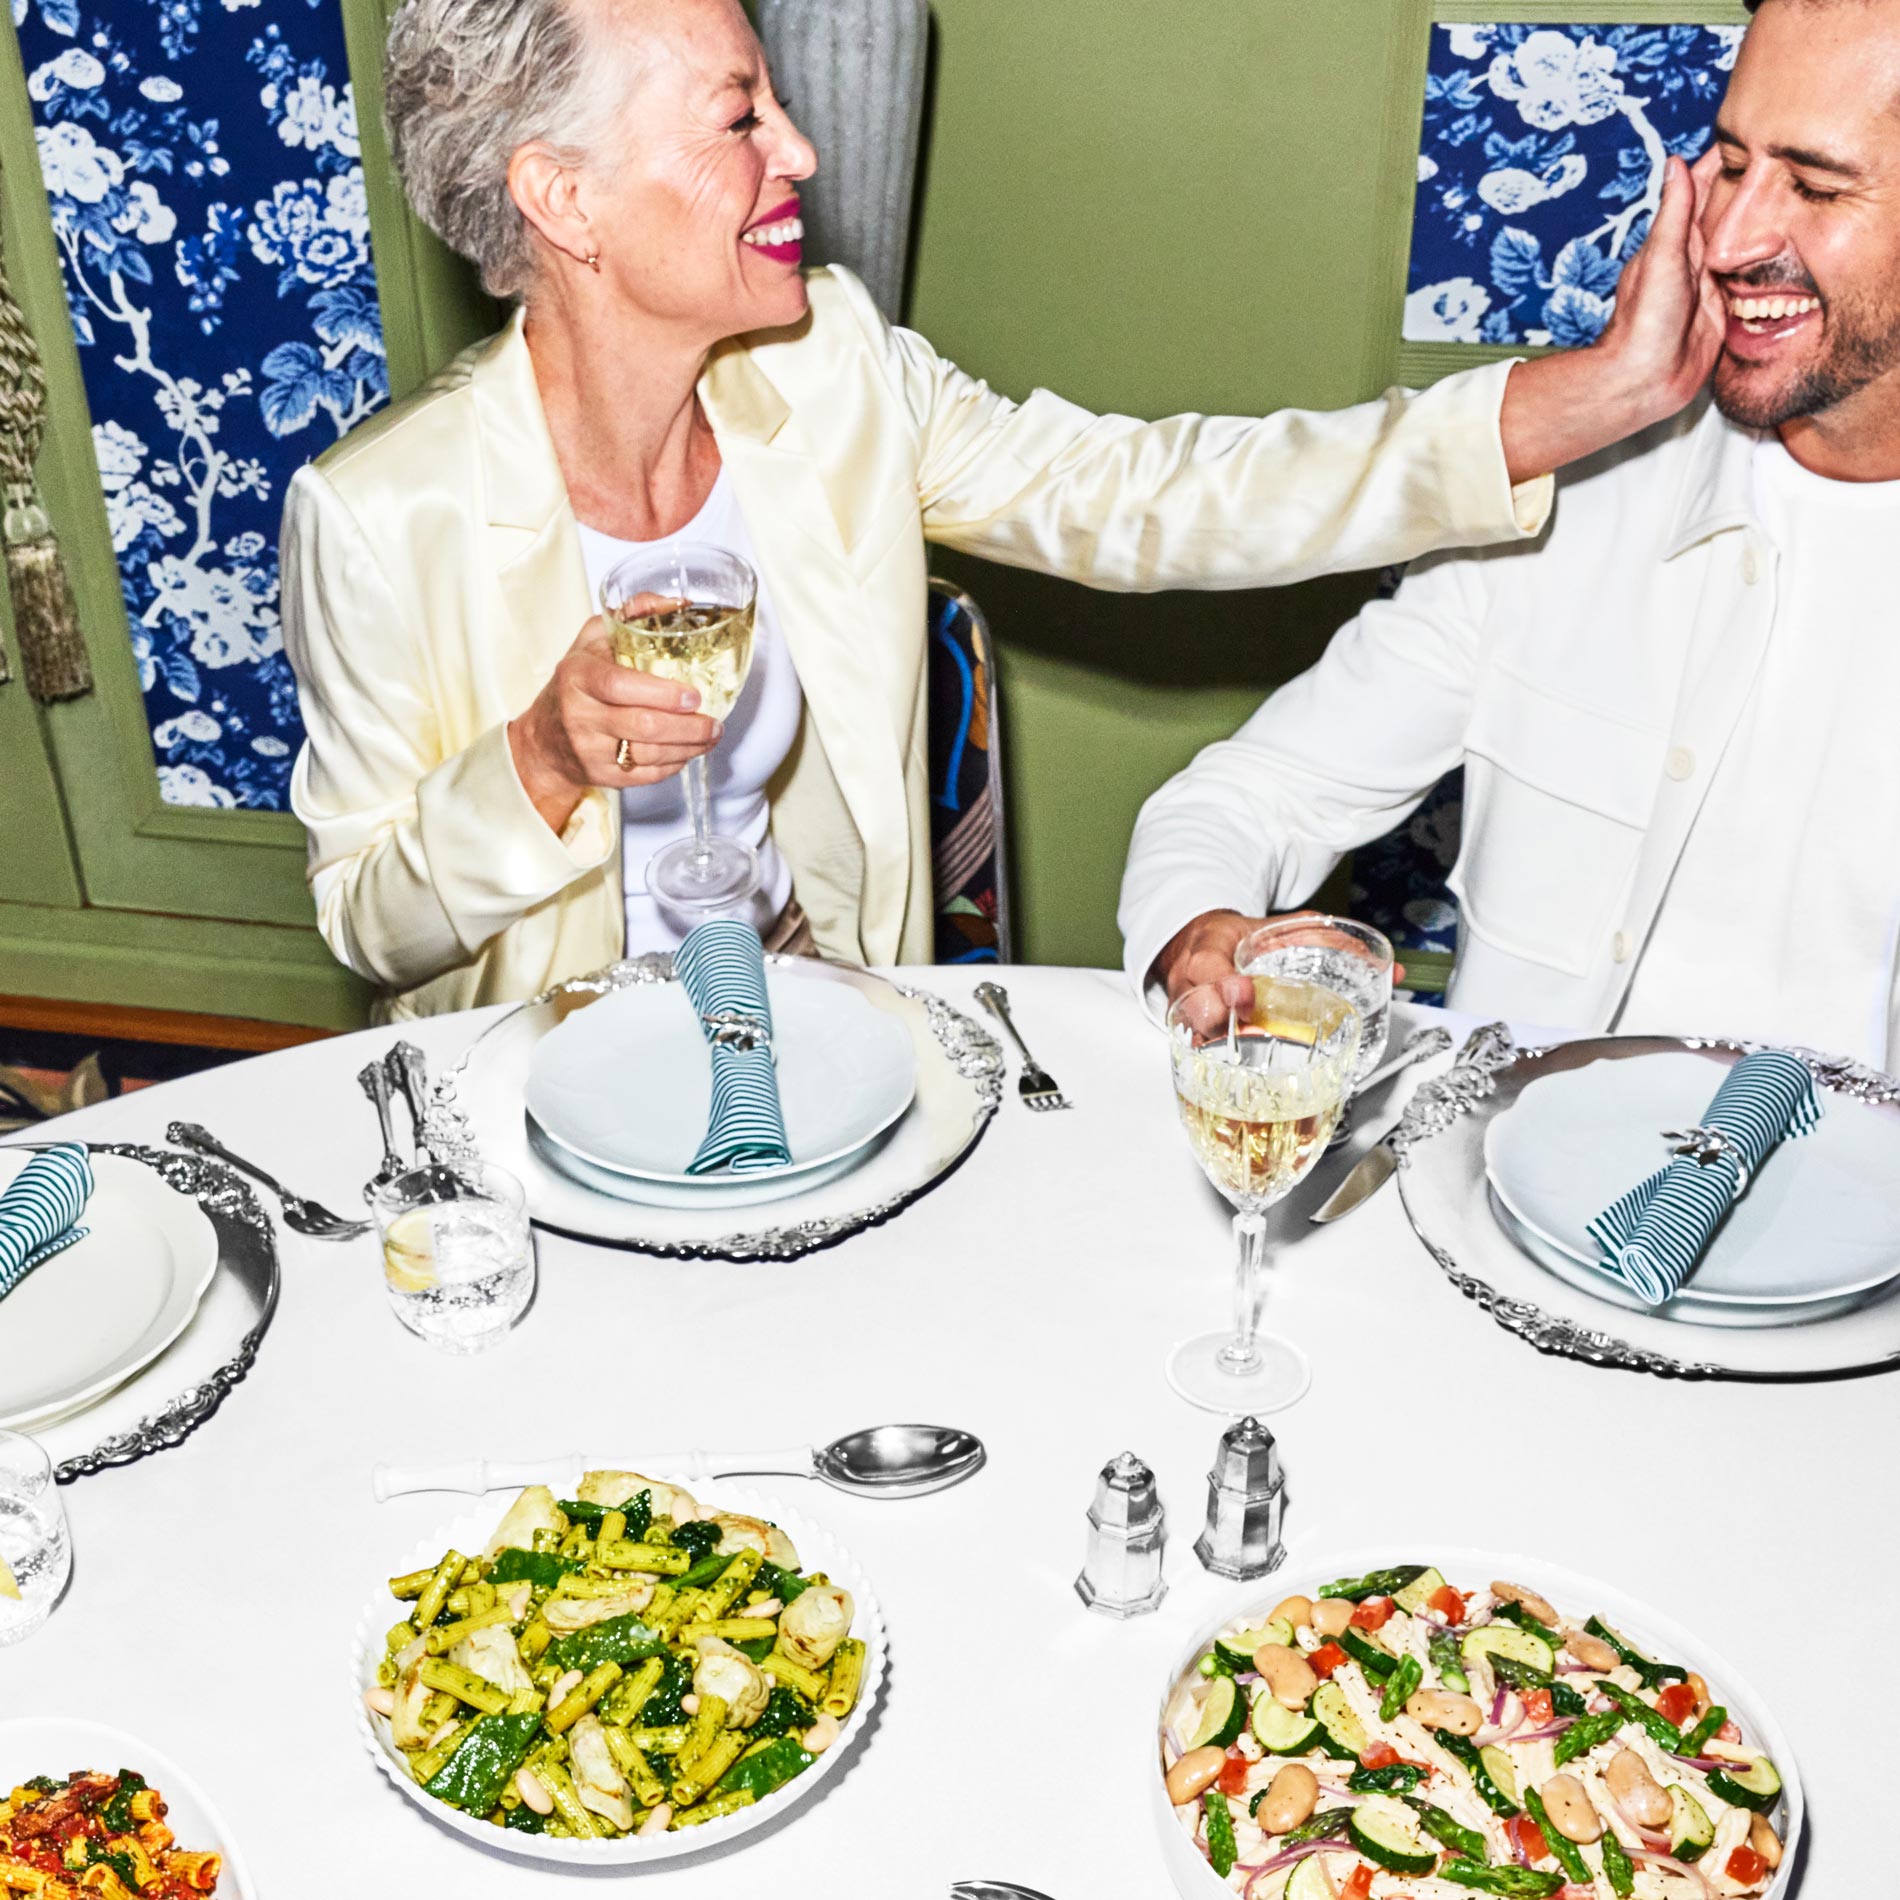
point(483, 784)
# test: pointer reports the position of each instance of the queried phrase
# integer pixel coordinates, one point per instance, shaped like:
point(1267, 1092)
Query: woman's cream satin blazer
point(432, 578)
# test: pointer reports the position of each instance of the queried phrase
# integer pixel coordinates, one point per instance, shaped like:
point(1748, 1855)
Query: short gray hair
point(466, 84)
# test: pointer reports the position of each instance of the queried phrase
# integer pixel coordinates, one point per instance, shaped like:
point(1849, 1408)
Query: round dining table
point(1030, 1297)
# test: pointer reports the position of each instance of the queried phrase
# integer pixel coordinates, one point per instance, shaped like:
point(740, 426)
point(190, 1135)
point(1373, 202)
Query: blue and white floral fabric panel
point(1540, 165)
point(207, 195)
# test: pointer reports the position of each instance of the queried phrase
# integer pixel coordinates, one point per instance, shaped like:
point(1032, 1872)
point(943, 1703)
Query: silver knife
point(1486, 1050)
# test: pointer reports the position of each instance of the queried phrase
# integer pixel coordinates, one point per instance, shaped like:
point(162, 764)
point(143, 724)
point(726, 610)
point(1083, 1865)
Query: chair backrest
point(966, 784)
point(1398, 886)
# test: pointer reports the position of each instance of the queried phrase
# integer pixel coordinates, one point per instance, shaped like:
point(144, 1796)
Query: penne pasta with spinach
point(614, 1663)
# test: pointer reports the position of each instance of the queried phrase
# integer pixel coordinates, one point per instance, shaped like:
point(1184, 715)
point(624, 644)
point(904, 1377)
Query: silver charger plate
point(959, 1085)
point(1447, 1198)
point(164, 1404)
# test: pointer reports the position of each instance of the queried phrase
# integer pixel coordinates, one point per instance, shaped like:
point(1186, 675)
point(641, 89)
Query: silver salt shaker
point(1122, 1574)
point(1246, 1500)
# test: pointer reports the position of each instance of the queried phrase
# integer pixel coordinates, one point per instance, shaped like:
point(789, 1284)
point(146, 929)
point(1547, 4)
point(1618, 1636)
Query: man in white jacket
point(1677, 714)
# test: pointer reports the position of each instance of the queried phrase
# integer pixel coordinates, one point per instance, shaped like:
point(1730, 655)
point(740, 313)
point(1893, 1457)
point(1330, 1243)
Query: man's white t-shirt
point(759, 733)
point(1792, 866)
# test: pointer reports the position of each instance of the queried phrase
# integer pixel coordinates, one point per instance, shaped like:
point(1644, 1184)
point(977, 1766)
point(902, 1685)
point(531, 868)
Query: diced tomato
point(1378, 1755)
point(1676, 1704)
point(1745, 1867)
point(1373, 1614)
point(1326, 1658)
point(1728, 1732)
point(1449, 1603)
point(1537, 1705)
point(1358, 1885)
point(1233, 1775)
point(1528, 1837)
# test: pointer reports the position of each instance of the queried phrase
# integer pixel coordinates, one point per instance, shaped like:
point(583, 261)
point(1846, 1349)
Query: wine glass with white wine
point(1259, 1088)
point(685, 612)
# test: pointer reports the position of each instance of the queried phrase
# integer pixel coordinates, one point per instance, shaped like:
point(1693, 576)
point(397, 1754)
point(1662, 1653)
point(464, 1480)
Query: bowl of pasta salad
point(618, 1670)
point(1469, 1724)
point(88, 1811)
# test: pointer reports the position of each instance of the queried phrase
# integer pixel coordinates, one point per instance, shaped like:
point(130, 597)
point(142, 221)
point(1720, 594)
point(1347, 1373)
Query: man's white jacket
point(1589, 683)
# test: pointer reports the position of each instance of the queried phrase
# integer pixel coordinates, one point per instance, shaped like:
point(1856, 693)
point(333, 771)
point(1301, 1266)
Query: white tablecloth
point(1031, 1298)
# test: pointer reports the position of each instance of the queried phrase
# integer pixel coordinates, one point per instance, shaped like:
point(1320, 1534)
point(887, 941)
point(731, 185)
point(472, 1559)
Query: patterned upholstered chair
point(966, 784)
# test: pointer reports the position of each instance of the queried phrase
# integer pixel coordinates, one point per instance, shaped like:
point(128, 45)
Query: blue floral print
point(1540, 166)
point(207, 193)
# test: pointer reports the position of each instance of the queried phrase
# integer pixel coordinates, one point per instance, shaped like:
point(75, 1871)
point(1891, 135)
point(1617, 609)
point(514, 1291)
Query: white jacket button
point(1620, 946)
point(1680, 763)
point(1751, 565)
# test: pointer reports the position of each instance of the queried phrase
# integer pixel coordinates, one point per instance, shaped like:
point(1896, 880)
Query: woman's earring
point(592, 261)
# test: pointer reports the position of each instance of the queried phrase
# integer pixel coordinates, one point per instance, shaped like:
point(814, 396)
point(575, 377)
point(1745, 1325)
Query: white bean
point(1572, 1813)
point(690, 1703)
point(821, 1734)
point(1765, 1841)
point(1636, 1790)
point(657, 1820)
point(1295, 1610)
point(1331, 1615)
point(1196, 1771)
point(1291, 1796)
point(1590, 1650)
point(770, 1607)
point(380, 1701)
point(1439, 1708)
point(1529, 1600)
point(1288, 1675)
point(565, 1686)
point(533, 1791)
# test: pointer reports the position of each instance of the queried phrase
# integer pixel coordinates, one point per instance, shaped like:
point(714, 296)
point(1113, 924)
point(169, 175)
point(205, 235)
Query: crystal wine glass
point(1346, 956)
point(686, 613)
point(36, 1556)
point(1259, 1089)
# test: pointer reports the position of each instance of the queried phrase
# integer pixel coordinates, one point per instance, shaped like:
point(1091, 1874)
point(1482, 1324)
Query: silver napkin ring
point(741, 1029)
point(1705, 1146)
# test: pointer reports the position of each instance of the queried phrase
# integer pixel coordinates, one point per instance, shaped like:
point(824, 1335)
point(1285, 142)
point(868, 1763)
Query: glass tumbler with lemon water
point(458, 1253)
point(686, 613)
point(36, 1554)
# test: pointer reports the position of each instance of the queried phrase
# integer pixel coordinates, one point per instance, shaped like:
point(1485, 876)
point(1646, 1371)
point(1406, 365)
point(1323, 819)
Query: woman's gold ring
point(624, 756)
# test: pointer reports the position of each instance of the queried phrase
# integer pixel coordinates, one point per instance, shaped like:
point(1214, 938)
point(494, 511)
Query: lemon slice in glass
point(9, 1585)
point(409, 1252)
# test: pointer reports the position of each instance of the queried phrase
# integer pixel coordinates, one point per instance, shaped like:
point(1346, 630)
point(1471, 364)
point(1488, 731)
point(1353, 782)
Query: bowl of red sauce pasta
point(90, 1813)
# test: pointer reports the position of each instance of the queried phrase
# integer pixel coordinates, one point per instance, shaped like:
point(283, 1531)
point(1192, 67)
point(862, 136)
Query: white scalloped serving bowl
point(1572, 1593)
point(817, 1550)
point(55, 1745)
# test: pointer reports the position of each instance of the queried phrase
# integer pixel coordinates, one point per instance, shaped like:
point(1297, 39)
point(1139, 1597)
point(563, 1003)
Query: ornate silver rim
point(973, 1053)
point(239, 1220)
point(1489, 1054)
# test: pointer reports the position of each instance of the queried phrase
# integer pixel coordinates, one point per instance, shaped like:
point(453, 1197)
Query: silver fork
point(305, 1217)
point(1035, 1085)
point(375, 1080)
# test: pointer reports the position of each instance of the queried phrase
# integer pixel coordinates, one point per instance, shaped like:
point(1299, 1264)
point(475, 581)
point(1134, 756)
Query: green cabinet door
point(36, 854)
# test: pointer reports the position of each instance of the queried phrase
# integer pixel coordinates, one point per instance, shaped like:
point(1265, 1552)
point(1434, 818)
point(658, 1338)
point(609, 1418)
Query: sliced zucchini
point(1419, 1591)
point(1341, 1732)
point(1756, 1786)
point(1222, 1715)
point(1387, 1836)
point(1508, 1639)
point(1503, 1773)
point(1282, 1731)
point(1374, 1658)
point(1309, 1881)
point(1238, 1648)
point(1653, 1673)
point(1691, 1832)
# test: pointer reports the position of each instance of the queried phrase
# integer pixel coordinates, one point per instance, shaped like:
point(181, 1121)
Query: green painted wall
point(1152, 208)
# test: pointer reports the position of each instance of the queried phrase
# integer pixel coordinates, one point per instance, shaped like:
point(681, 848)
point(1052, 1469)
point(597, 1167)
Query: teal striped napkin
point(722, 968)
point(1654, 1237)
point(38, 1211)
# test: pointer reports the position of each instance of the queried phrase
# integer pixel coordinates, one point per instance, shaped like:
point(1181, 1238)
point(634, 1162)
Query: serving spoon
point(883, 1461)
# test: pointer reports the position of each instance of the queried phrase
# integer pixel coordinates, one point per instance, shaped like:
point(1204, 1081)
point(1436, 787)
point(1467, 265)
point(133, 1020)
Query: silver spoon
point(884, 1461)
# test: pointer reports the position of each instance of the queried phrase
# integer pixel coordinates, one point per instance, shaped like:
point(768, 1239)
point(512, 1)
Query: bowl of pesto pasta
point(617, 1671)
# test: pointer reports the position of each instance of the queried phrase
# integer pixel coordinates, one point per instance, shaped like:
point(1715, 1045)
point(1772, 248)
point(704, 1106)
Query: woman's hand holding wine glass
point(571, 737)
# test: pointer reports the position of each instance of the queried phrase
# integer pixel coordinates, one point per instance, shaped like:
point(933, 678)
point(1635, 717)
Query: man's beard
point(1863, 346)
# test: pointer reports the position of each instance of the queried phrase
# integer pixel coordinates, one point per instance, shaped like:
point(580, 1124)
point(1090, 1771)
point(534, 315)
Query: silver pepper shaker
point(1246, 1499)
point(1122, 1575)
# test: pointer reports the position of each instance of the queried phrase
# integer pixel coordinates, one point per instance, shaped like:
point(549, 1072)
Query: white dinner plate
point(817, 1550)
point(1818, 1227)
point(90, 1317)
point(626, 1087)
point(53, 1745)
point(1573, 1594)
